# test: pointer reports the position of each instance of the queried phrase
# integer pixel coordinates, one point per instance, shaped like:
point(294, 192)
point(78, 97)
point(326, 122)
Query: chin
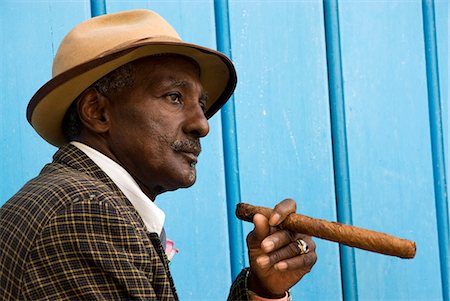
point(185, 180)
point(181, 185)
point(190, 180)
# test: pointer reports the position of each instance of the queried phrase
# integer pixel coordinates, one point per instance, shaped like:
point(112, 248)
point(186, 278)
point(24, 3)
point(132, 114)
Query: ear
point(93, 109)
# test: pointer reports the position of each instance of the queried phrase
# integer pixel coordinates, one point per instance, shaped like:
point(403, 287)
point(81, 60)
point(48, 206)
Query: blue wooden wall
point(337, 106)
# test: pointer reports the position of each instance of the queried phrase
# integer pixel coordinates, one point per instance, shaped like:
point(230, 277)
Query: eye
point(174, 97)
point(203, 105)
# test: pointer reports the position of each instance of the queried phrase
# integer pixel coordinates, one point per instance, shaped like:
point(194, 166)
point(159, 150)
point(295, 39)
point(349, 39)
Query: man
point(133, 101)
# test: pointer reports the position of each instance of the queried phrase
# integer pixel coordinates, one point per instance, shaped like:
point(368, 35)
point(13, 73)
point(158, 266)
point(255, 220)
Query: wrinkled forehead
point(176, 71)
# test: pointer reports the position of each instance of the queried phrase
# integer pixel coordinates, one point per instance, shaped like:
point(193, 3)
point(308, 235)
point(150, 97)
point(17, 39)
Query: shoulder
point(59, 185)
point(56, 195)
point(56, 188)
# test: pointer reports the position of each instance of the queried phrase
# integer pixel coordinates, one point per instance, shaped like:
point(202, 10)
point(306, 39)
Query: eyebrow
point(184, 84)
point(180, 83)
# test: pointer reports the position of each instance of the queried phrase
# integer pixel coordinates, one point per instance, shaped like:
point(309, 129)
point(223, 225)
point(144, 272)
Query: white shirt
point(152, 216)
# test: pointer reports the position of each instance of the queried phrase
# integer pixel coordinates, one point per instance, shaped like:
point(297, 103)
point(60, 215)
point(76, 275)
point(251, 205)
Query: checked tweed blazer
point(70, 233)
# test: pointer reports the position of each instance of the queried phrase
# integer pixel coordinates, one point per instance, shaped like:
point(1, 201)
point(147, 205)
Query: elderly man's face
point(157, 124)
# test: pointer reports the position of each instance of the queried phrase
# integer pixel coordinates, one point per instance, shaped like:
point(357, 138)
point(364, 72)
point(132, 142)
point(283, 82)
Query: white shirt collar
point(152, 216)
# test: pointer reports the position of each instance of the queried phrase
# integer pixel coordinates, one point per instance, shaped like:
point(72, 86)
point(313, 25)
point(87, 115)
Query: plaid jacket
point(70, 233)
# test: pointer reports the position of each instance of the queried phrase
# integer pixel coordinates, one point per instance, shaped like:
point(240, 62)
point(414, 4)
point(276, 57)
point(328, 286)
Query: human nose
point(197, 124)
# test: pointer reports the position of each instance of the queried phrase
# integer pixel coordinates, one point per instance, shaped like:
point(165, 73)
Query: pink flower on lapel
point(170, 249)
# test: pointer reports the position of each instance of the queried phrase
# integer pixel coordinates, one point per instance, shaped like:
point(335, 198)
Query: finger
point(277, 240)
point(283, 237)
point(260, 231)
point(281, 211)
point(290, 250)
point(303, 262)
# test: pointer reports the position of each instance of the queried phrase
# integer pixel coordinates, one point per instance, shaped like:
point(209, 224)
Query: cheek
point(152, 147)
point(147, 137)
point(134, 137)
point(155, 144)
point(140, 129)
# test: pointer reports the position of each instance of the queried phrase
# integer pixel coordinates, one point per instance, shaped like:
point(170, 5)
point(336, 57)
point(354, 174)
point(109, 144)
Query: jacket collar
point(74, 158)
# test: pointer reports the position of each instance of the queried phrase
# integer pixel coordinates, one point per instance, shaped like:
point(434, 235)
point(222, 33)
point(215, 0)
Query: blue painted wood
point(442, 9)
point(30, 34)
point(282, 116)
point(98, 7)
point(230, 149)
point(437, 143)
point(383, 59)
point(340, 152)
point(196, 217)
point(442, 12)
point(283, 130)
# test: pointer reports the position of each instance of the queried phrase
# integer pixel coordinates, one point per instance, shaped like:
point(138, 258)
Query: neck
point(103, 148)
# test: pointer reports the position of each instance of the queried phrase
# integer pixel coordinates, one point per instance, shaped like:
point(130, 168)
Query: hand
point(275, 260)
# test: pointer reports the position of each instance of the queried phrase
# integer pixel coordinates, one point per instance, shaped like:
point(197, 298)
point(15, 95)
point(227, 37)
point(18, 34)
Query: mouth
point(191, 158)
point(189, 149)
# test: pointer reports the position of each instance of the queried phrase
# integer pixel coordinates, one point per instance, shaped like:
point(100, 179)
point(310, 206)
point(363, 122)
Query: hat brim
point(48, 106)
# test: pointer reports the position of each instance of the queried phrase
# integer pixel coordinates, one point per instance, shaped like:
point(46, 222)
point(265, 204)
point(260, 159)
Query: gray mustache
point(187, 146)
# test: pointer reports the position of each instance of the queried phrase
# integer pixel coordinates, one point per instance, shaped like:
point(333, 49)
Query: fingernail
point(268, 245)
point(281, 266)
point(263, 261)
point(275, 219)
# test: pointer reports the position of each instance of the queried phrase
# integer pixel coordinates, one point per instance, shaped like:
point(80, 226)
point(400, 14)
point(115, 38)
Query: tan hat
point(99, 45)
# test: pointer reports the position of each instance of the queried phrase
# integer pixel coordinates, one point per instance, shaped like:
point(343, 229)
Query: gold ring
point(303, 246)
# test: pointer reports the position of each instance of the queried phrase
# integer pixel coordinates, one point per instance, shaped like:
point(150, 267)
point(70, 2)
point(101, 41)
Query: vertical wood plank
point(30, 35)
point(230, 148)
point(442, 11)
point(437, 143)
point(98, 7)
point(282, 116)
point(340, 151)
point(388, 133)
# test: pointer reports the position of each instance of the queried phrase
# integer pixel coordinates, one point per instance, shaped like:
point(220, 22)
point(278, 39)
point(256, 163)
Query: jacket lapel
point(73, 157)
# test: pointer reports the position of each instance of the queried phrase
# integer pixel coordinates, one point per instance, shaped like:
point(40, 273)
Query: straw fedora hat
point(99, 45)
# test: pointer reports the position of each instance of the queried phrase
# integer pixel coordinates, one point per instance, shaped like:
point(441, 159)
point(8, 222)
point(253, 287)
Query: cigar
point(344, 234)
